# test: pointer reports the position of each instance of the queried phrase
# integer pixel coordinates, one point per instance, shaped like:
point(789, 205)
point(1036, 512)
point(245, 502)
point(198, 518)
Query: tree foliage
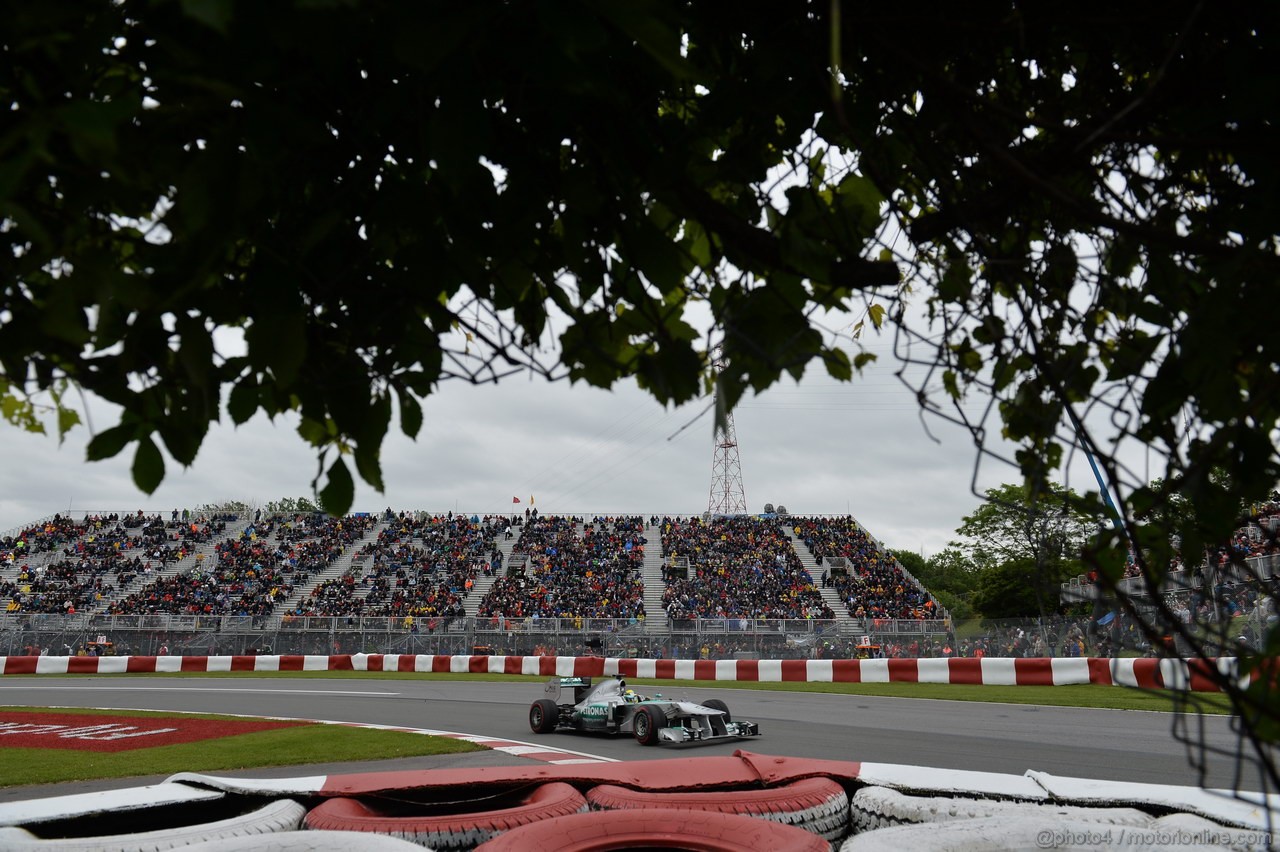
point(326, 208)
point(1014, 524)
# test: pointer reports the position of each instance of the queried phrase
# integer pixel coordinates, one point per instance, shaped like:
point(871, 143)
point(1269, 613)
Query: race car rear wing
point(580, 686)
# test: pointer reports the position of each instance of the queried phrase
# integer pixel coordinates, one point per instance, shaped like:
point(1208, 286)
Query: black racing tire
point(544, 715)
point(717, 704)
point(645, 725)
point(818, 805)
point(460, 830)
point(278, 816)
point(656, 828)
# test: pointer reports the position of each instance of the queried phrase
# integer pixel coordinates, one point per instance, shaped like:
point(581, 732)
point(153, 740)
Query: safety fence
point(1198, 675)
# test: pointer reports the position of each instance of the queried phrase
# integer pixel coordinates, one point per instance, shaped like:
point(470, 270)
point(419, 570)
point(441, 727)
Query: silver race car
point(610, 707)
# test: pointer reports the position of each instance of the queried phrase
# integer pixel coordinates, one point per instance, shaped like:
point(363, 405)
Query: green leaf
point(862, 359)
point(108, 444)
point(243, 401)
point(837, 363)
point(67, 420)
point(410, 414)
point(876, 313)
point(315, 433)
point(337, 496)
point(148, 465)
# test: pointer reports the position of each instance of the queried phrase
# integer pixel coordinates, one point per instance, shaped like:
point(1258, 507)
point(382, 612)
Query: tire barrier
point(882, 807)
point(1019, 833)
point(1145, 672)
point(278, 816)
point(385, 804)
point(466, 824)
point(818, 805)
point(309, 841)
point(656, 828)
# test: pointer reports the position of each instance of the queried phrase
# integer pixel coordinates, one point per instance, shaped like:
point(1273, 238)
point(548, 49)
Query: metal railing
point(22, 633)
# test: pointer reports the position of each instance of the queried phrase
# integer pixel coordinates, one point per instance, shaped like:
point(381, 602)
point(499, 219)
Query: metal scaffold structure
point(727, 494)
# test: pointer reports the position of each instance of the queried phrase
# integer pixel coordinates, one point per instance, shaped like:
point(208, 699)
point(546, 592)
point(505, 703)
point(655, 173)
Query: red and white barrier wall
point(1149, 673)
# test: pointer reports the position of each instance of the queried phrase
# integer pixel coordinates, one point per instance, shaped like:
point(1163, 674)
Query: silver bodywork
point(604, 707)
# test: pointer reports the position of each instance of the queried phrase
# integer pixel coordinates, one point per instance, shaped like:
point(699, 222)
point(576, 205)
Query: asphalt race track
point(1086, 743)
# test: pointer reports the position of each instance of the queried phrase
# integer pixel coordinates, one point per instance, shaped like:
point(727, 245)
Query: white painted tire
point(818, 805)
point(310, 841)
point(278, 816)
point(883, 807)
point(1013, 834)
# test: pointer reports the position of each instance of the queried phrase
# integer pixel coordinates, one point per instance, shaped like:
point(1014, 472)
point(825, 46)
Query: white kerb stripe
point(113, 665)
point(52, 665)
point(1175, 674)
point(726, 669)
point(770, 671)
point(999, 671)
point(168, 664)
point(647, 668)
point(874, 671)
point(933, 670)
point(819, 671)
point(565, 666)
point(1122, 672)
point(684, 670)
point(1069, 671)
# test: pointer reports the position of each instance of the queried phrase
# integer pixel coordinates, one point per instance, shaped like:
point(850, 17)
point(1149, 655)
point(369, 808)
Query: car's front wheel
point(543, 716)
point(717, 704)
point(645, 725)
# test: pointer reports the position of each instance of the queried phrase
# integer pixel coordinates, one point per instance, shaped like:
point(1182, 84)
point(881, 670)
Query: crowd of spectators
point(870, 582)
point(737, 567)
point(418, 567)
point(595, 573)
point(252, 572)
point(86, 563)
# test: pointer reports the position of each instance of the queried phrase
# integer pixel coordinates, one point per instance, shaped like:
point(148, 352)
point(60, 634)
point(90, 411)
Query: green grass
point(282, 747)
point(1082, 695)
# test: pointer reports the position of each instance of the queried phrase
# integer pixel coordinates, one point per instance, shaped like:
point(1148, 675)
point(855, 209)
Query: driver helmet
point(630, 696)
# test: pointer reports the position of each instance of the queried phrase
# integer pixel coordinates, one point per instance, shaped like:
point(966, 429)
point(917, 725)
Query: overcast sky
point(820, 447)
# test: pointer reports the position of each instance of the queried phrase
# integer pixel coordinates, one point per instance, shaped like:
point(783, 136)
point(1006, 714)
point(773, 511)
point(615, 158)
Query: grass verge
point(299, 745)
point(1080, 695)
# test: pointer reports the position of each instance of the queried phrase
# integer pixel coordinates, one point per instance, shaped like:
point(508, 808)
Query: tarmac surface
point(1106, 744)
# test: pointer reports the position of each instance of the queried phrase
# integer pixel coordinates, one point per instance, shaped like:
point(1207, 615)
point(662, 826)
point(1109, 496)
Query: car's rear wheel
point(717, 704)
point(645, 725)
point(543, 716)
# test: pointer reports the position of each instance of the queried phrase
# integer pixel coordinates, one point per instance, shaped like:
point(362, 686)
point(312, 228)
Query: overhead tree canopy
point(381, 196)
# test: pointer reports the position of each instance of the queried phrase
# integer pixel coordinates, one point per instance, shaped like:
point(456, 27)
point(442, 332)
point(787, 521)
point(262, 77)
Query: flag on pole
point(515, 499)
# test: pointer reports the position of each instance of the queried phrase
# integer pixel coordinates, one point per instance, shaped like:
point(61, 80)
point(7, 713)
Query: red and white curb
point(1197, 675)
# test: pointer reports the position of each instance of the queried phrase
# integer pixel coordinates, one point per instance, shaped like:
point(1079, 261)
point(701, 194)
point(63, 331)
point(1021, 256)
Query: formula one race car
point(610, 707)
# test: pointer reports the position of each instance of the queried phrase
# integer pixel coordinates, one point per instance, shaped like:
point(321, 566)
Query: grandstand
point(419, 582)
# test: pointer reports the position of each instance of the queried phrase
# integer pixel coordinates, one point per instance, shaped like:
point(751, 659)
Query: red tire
point(818, 805)
point(646, 724)
point(458, 830)
point(655, 828)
